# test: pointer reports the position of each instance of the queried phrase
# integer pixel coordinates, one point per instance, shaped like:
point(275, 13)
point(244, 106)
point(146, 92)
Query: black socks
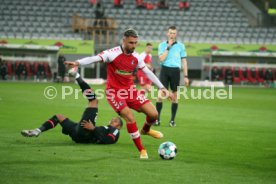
point(51, 123)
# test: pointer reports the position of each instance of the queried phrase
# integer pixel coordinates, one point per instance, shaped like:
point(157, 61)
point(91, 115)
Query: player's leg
point(140, 103)
point(88, 92)
point(49, 124)
point(90, 113)
point(159, 103)
point(85, 88)
point(120, 106)
point(133, 131)
point(174, 107)
point(70, 128)
point(174, 83)
point(151, 117)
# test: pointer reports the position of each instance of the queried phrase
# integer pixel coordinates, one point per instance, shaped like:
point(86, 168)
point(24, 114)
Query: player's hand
point(87, 125)
point(72, 63)
point(186, 81)
point(164, 93)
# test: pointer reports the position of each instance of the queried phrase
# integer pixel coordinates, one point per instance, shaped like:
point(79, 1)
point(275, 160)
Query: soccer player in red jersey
point(120, 90)
point(144, 81)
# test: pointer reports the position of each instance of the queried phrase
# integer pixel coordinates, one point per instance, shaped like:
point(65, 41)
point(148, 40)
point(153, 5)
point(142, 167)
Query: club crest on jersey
point(132, 62)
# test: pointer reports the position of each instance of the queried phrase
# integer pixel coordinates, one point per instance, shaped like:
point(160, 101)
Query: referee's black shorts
point(170, 77)
point(77, 132)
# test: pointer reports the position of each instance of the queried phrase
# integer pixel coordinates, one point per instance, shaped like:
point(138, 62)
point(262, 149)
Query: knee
point(129, 118)
point(175, 99)
point(93, 103)
point(153, 115)
point(60, 117)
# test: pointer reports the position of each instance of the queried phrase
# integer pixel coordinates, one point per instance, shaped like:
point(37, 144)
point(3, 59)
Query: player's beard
point(129, 51)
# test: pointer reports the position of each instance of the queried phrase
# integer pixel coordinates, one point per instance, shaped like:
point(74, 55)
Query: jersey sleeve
point(110, 54)
point(106, 137)
point(141, 63)
point(183, 53)
point(143, 55)
point(161, 48)
point(105, 56)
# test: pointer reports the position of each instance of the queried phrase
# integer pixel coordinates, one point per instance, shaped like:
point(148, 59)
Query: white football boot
point(31, 133)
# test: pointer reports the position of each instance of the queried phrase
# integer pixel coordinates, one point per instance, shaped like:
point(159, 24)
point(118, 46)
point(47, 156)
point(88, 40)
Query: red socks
point(135, 135)
point(148, 124)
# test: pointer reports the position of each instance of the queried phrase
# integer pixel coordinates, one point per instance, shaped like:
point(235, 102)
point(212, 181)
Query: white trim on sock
point(135, 135)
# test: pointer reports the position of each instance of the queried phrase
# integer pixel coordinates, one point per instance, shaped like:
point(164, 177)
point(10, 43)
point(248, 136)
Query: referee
point(171, 55)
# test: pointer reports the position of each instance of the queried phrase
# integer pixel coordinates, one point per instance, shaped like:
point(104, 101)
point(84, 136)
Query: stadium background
point(219, 141)
point(207, 26)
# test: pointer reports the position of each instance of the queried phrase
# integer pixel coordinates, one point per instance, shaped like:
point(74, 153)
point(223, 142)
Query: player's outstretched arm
point(163, 91)
point(72, 63)
point(84, 61)
point(152, 77)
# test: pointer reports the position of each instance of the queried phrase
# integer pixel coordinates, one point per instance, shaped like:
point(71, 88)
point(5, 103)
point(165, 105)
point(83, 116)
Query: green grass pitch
point(219, 141)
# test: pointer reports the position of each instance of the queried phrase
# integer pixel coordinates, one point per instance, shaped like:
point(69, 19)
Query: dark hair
point(148, 44)
point(131, 32)
point(172, 27)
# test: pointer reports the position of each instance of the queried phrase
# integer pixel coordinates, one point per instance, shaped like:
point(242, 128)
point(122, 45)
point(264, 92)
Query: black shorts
point(75, 131)
point(170, 76)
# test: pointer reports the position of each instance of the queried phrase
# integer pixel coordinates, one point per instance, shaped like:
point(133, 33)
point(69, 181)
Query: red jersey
point(143, 80)
point(146, 57)
point(120, 67)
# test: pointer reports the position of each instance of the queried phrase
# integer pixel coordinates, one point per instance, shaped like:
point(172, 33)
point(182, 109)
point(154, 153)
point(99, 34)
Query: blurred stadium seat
point(224, 20)
point(206, 21)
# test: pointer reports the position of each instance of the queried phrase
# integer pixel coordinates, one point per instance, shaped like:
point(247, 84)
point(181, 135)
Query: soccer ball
point(167, 150)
